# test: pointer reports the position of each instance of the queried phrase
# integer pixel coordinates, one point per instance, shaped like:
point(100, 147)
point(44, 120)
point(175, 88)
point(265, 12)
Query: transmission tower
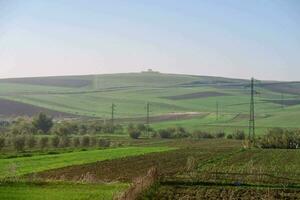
point(252, 114)
point(113, 108)
point(282, 101)
point(217, 110)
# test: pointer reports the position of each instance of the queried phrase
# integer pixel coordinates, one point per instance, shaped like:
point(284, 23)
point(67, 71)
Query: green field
point(62, 191)
point(26, 165)
point(277, 103)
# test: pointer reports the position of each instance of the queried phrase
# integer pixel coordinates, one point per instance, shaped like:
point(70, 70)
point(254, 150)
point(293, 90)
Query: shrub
point(55, 141)
point(141, 127)
point(64, 141)
point(42, 122)
point(165, 133)
point(201, 134)
point(103, 143)
point(31, 142)
point(2, 142)
point(85, 141)
point(64, 129)
point(239, 135)
point(93, 141)
point(281, 138)
point(229, 136)
point(134, 133)
point(19, 143)
point(43, 142)
point(180, 132)
point(22, 126)
point(220, 134)
point(76, 142)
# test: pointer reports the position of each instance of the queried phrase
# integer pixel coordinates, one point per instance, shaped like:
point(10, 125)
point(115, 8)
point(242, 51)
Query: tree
point(103, 143)
point(93, 141)
point(2, 142)
point(134, 133)
point(43, 122)
point(165, 133)
point(44, 142)
point(64, 141)
point(85, 141)
point(76, 142)
point(22, 126)
point(65, 128)
point(19, 143)
point(31, 142)
point(55, 141)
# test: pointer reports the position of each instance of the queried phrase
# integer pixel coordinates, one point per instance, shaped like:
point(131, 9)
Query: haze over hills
point(172, 97)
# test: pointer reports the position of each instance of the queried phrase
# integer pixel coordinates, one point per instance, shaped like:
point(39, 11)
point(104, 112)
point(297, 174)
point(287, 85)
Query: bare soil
point(12, 108)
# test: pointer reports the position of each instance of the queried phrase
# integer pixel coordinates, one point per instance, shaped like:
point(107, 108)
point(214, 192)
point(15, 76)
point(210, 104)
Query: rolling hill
point(174, 99)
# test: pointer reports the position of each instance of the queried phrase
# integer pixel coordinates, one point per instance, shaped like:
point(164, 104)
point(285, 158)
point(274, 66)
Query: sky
point(229, 38)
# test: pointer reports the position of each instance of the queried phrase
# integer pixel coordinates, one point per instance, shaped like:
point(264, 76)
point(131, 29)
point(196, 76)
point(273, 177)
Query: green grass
point(61, 191)
point(25, 165)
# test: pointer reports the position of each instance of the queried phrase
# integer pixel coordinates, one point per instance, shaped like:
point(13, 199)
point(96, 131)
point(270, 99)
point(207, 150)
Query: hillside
point(174, 99)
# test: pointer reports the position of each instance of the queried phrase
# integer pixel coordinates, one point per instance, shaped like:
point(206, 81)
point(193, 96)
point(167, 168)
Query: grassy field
point(93, 95)
point(62, 191)
point(26, 165)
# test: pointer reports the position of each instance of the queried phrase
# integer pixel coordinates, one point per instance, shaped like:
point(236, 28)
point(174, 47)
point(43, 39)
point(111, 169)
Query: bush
point(31, 142)
point(19, 143)
point(44, 142)
point(93, 141)
point(22, 126)
point(220, 135)
point(281, 138)
point(55, 141)
point(239, 135)
point(64, 129)
point(141, 127)
point(85, 141)
point(134, 133)
point(103, 143)
point(180, 132)
point(76, 142)
point(64, 141)
point(42, 122)
point(201, 134)
point(229, 136)
point(165, 133)
point(2, 142)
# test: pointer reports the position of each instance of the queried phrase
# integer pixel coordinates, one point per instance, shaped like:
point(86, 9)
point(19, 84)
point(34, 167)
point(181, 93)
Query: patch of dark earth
point(11, 108)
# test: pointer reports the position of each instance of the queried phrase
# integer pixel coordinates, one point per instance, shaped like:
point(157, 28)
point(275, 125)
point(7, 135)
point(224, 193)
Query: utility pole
point(282, 101)
point(252, 114)
point(148, 117)
point(113, 108)
point(217, 110)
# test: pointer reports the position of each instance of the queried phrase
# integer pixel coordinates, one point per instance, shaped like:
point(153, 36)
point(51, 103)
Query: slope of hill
point(168, 94)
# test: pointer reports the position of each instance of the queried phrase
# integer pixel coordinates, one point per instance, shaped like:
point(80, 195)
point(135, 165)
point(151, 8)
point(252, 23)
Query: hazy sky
point(232, 38)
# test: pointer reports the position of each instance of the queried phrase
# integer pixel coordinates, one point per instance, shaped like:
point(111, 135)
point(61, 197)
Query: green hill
point(174, 99)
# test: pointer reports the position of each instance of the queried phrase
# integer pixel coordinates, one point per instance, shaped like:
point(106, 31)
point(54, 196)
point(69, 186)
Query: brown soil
point(214, 193)
point(12, 108)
